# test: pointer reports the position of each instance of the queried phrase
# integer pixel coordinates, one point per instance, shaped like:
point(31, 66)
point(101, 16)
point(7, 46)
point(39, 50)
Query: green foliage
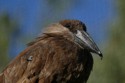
point(6, 28)
point(112, 67)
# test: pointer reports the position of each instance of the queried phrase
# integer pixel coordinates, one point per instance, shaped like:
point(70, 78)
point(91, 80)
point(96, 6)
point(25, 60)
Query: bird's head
point(76, 31)
point(81, 37)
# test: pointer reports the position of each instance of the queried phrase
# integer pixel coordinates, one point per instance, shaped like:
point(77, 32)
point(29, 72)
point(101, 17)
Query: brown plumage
point(60, 55)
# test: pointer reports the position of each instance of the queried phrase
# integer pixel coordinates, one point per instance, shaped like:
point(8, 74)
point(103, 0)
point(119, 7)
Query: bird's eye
point(84, 28)
point(68, 26)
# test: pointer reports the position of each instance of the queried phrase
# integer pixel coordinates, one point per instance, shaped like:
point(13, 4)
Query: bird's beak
point(86, 42)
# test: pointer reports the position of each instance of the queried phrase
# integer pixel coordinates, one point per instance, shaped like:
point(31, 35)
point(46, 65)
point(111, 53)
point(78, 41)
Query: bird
point(61, 54)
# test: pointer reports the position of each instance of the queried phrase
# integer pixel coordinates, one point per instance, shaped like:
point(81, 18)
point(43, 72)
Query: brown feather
point(51, 58)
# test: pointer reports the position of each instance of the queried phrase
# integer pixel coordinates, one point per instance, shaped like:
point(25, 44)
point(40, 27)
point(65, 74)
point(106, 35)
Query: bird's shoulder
point(44, 52)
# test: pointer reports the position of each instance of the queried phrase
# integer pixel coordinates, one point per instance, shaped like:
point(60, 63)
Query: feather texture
point(54, 60)
point(54, 57)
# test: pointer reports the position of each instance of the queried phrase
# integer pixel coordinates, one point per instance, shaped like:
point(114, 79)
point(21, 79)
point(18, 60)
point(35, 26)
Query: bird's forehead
point(75, 24)
point(71, 22)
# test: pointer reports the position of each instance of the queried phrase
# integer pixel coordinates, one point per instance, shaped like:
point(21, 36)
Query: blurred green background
point(21, 22)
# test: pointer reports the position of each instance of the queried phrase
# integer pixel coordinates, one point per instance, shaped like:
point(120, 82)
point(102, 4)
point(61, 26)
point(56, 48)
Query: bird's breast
point(68, 61)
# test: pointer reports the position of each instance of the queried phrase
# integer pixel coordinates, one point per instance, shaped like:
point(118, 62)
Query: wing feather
point(48, 60)
point(22, 69)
